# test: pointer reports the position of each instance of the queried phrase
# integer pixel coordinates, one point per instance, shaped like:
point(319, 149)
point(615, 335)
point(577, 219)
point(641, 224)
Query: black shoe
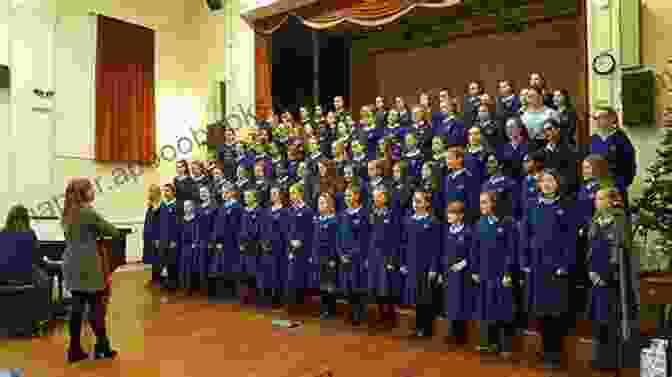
point(77, 355)
point(103, 351)
point(326, 315)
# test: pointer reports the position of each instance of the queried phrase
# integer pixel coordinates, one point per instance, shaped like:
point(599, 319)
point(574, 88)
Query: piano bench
point(25, 307)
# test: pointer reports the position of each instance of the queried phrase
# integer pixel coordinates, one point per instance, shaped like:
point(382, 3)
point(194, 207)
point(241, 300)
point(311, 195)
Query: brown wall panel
point(553, 47)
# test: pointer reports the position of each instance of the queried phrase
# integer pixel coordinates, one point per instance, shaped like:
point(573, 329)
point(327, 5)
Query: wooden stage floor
point(159, 335)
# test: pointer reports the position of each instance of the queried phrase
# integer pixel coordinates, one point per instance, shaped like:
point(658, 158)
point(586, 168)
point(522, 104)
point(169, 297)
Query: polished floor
point(168, 336)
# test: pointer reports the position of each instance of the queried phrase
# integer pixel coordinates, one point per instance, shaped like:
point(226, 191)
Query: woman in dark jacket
point(82, 270)
point(150, 234)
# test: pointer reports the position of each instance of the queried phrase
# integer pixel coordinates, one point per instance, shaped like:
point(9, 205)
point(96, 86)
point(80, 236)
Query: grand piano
point(52, 246)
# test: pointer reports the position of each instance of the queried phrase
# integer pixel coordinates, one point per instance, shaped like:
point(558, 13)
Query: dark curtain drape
point(263, 79)
point(125, 103)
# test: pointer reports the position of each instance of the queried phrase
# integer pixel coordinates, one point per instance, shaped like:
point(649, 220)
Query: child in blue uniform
point(455, 276)
point(421, 245)
point(383, 258)
point(353, 246)
point(402, 188)
point(533, 165)
point(547, 256)
point(250, 235)
point(325, 252)
point(460, 184)
point(300, 240)
point(492, 260)
point(225, 259)
point(475, 155)
point(273, 258)
point(188, 247)
point(612, 297)
point(151, 233)
point(206, 217)
point(169, 235)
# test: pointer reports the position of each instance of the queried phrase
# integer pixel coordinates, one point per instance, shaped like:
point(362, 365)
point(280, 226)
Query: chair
point(23, 303)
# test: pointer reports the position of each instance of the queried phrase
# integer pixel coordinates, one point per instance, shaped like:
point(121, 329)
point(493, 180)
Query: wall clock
point(604, 64)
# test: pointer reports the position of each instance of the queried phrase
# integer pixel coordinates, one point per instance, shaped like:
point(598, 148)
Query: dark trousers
point(497, 333)
point(606, 349)
point(156, 272)
point(327, 302)
point(424, 318)
point(171, 280)
point(97, 309)
point(457, 328)
point(553, 329)
point(358, 302)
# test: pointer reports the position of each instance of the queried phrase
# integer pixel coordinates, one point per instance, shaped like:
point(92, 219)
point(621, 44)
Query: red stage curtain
point(264, 99)
point(125, 103)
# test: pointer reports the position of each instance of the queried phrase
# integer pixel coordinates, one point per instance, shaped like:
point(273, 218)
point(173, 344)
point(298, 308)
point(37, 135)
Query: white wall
point(6, 190)
point(240, 57)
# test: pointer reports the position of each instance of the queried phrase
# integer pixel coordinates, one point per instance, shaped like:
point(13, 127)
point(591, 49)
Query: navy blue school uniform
point(250, 236)
point(548, 243)
point(353, 244)
point(617, 149)
point(514, 154)
point(398, 133)
point(206, 220)
point(453, 130)
point(373, 136)
point(324, 252)
point(611, 304)
point(170, 235)
point(226, 229)
point(508, 107)
point(189, 249)
point(292, 167)
point(383, 261)
point(415, 160)
point(273, 259)
point(421, 242)
point(312, 174)
point(492, 256)
point(246, 159)
point(301, 229)
point(529, 191)
point(476, 162)
point(151, 234)
point(508, 191)
point(374, 183)
point(585, 202)
point(458, 289)
point(462, 186)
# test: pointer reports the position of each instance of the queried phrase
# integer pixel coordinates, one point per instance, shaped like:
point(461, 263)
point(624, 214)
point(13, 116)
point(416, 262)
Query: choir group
point(490, 215)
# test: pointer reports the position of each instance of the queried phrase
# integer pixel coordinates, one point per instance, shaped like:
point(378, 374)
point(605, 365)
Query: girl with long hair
point(82, 267)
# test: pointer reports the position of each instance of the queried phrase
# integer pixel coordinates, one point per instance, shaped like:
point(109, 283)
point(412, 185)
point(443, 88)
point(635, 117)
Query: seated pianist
point(17, 229)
